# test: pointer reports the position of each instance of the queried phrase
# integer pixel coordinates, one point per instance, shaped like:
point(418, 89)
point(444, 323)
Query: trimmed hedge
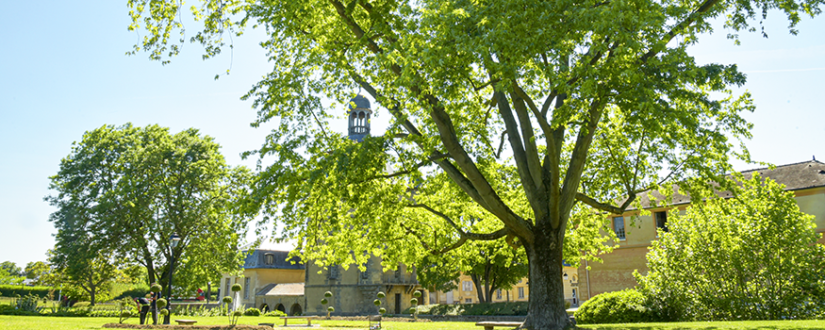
point(7, 290)
point(626, 306)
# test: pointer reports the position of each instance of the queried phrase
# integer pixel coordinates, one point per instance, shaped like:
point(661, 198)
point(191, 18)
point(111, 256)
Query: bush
point(275, 313)
point(81, 304)
point(252, 312)
point(626, 306)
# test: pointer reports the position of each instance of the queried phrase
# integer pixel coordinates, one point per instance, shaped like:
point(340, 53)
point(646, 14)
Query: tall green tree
point(35, 269)
point(11, 268)
point(128, 189)
point(590, 101)
point(493, 266)
point(753, 256)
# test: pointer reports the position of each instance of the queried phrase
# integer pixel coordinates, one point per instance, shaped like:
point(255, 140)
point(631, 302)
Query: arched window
point(269, 259)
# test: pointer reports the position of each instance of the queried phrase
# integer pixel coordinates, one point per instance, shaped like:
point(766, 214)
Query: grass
point(81, 323)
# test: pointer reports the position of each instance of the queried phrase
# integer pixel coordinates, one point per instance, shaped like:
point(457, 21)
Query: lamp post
point(173, 242)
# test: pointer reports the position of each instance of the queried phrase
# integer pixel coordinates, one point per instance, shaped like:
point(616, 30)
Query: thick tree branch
point(465, 235)
point(491, 201)
point(606, 207)
point(579, 158)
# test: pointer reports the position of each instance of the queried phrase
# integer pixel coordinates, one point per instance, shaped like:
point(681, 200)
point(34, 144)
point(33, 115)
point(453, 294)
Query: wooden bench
point(490, 325)
point(308, 318)
point(186, 322)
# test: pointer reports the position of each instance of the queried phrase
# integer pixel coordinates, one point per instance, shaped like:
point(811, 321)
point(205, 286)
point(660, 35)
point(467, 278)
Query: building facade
point(270, 280)
point(806, 180)
point(467, 292)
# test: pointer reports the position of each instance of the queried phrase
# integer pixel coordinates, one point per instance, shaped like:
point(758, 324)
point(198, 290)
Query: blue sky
point(63, 71)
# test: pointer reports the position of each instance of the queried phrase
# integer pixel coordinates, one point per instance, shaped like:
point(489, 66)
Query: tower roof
point(359, 102)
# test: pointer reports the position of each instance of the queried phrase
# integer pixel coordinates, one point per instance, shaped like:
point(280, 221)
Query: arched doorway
point(264, 308)
point(281, 308)
point(295, 310)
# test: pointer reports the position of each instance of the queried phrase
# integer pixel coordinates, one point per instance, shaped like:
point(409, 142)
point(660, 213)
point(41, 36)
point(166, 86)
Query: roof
point(795, 176)
point(282, 289)
point(359, 102)
point(257, 259)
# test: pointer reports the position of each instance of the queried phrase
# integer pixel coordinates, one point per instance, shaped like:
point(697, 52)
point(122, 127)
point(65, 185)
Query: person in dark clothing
point(143, 307)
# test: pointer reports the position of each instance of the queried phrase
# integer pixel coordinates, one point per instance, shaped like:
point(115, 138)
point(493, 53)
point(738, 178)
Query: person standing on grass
point(143, 307)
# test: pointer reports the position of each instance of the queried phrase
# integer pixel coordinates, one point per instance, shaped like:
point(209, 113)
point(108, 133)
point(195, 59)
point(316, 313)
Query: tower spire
point(359, 118)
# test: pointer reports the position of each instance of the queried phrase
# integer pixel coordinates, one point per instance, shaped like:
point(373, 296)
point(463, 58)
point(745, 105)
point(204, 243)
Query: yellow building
point(806, 180)
point(270, 281)
point(467, 292)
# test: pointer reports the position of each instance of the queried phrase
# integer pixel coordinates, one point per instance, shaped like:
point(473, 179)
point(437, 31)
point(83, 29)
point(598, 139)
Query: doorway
point(397, 303)
point(295, 310)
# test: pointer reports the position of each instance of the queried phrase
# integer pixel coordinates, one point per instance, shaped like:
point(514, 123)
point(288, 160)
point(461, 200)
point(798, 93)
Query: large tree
point(590, 100)
point(128, 189)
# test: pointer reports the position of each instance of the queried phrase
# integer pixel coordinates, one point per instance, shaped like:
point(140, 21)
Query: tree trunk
point(92, 291)
point(546, 306)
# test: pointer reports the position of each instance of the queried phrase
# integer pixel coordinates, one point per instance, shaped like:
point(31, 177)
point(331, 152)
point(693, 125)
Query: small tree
point(126, 306)
point(235, 289)
point(414, 303)
point(751, 256)
point(325, 301)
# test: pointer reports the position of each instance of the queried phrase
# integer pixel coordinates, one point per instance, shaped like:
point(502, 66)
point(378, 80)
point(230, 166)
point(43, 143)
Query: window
point(467, 286)
point(226, 292)
point(269, 259)
point(246, 288)
point(521, 293)
point(661, 220)
point(618, 227)
point(498, 294)
point(468, 301)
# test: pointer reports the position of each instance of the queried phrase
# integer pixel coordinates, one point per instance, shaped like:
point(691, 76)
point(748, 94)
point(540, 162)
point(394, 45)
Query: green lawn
point(79, 323)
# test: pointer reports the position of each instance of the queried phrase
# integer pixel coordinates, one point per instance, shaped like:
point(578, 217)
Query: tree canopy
point(123, 191)
point(753, 256)
point(531, 116)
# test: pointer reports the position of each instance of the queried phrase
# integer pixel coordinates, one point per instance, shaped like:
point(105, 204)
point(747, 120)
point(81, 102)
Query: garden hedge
point(7, 290)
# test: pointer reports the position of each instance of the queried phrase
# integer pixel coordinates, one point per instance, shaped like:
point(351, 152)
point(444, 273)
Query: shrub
point(626, 306)
point(324, 301)
point(227, 299)
point(382, 310)
point(156, 288)
point(161, 303)
point(330, 309)
point(381, 294)
point(252, 312)
point(276, 313)
point(81, 304)
point(376, 302)
point(327, 294)
point(236, 287)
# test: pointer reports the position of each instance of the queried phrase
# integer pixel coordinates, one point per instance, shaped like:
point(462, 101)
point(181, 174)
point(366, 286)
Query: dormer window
point(269, 259)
